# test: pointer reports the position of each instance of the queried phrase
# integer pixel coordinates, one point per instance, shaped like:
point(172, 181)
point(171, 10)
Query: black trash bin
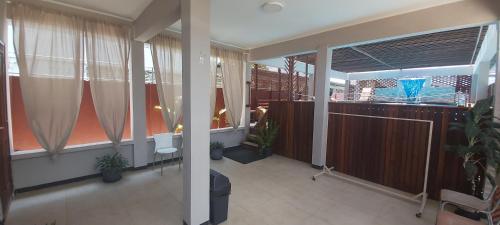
point(220, 188)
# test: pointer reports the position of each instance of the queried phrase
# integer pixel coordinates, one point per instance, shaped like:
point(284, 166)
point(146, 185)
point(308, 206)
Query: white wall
point(454, 15)
point(34, 169)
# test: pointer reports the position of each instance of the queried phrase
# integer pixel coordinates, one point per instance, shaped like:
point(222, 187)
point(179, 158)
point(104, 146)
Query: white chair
point(487, 206)
point(164, 146)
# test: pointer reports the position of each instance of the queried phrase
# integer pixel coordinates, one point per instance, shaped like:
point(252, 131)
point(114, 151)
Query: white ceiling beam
point(445, 17)
point(413, 73)
point(159, 15)
point(372, 57)
point(488, 47)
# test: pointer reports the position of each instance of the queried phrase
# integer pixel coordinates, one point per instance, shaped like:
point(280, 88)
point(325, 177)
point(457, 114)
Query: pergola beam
point(372, 57)
point(477, 45)
point(159, 15)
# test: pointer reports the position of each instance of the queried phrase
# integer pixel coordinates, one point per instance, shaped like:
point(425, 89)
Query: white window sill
point(212, 131)
point(37, 153)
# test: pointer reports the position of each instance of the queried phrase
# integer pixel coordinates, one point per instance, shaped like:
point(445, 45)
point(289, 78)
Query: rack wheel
point(418, 215)
point(314, 178)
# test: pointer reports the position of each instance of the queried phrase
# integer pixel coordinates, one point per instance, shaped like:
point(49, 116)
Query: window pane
point(87, 129)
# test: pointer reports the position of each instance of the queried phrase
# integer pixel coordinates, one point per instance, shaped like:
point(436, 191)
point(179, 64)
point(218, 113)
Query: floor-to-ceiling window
point(86, 131)
point(154, 119)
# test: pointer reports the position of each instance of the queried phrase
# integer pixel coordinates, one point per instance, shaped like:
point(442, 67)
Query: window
point(154, 119)
point(87, 129)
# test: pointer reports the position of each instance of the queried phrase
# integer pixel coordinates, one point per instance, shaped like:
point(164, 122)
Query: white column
point(497, 76)
point(195, 17)
point(3, 22)
point(322, 84)
point(479, 89)
point(248, 78)
point(346, 88)
point(138, 97)
point(310, 82)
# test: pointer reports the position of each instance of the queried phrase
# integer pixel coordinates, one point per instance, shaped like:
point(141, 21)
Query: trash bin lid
point(219, 183)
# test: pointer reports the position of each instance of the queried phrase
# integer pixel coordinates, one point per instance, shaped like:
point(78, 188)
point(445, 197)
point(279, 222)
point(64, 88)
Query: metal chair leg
point(162, 164)
point(179, 159)
point(154, 161)
point(490, 218)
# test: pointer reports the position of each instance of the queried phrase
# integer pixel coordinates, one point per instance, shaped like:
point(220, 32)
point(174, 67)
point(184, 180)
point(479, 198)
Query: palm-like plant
point(483, 142)
point(114, 161)
point(266, 135)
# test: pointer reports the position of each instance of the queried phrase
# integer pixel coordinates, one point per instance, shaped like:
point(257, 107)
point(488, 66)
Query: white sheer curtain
point(108, 50)
point(167, 63)
point(232, 84)
point(213, 81)
point(48, 48)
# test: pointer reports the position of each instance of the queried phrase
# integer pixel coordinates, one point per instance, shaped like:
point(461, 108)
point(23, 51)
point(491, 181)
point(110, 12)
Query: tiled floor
point(272, 191)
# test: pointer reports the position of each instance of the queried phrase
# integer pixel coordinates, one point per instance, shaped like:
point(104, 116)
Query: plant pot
point(216, 154)
point(266, 152)
point(111, 175)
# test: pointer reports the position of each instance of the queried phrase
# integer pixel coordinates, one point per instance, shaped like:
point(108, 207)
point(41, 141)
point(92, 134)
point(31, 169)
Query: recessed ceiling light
point(272, 6)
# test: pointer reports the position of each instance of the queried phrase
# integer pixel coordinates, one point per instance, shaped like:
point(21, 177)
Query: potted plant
point(111, 166)
point(216, 150)
point(482, 148)
point(265, 137)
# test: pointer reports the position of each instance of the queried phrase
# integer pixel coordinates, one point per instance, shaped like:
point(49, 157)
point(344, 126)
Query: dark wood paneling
point(388, 152)
point(295, 134)
point(393, 152)
point(6, 187)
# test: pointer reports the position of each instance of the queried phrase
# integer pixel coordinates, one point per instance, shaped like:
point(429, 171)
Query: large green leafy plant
point(482, 147)
point(266, 135)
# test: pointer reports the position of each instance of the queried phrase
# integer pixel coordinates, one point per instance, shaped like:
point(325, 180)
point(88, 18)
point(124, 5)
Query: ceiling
point(449, 48)
point(242, 23)
point(129, 9)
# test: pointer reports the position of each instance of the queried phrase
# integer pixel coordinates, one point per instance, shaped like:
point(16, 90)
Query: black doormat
point(242, 155)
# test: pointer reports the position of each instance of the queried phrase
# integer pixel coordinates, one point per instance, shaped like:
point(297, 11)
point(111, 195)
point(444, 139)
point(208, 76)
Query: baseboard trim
point(77, 179)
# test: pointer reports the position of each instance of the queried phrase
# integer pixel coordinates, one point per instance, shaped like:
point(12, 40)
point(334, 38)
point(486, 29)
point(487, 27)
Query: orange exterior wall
point(154, 119)
point(88, 129)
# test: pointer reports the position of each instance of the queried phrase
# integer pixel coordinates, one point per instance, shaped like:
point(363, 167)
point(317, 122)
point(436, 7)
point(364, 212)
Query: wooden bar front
point(387, 152)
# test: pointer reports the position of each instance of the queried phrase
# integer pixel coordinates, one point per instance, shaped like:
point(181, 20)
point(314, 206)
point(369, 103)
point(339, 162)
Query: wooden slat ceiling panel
point(447, 48)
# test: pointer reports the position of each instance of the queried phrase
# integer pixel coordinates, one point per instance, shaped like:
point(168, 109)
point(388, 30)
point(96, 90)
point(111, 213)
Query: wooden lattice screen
point(461, 83)
point(266, 86)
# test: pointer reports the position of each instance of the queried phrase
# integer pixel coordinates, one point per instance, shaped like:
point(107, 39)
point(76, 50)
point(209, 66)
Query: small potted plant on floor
point(111, 166)
point(216, 150)
point(266, 136)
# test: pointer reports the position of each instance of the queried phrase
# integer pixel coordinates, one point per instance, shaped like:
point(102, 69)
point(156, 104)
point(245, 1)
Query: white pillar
point(195, 17)
point(310, 82)
point(497, 76)
point(479, 89)
point(138, 112)
point(322, 84)
point(346, 88)
point(3, 22)
point(246, 101)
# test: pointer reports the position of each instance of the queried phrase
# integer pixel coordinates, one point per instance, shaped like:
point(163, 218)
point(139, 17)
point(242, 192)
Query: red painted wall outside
point(88, 129)
point(154, 119)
